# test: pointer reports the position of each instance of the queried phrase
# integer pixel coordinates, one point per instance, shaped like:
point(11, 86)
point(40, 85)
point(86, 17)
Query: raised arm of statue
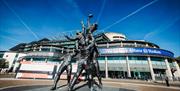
point(83, 28)
point(61, 58)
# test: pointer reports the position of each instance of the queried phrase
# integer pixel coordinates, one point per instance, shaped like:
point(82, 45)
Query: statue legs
point(98, 72)
point(76, 75)
point(61, 69)
point(69, 71)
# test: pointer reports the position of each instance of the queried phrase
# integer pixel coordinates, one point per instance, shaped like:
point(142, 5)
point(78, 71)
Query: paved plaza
point(10, 84)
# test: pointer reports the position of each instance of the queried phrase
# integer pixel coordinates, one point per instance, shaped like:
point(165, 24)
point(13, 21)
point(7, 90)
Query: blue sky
point(155, 21)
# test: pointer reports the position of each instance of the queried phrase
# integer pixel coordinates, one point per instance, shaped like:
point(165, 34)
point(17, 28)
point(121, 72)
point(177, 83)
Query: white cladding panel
point(37, 67)
point(9, 56)
point(115, 36)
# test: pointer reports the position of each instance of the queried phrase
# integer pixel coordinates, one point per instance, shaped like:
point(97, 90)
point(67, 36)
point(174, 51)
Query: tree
point(3, 63)
point(178, 58)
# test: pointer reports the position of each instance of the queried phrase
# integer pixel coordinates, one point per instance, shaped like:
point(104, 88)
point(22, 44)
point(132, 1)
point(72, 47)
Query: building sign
point(147, 51)
point(42, 54)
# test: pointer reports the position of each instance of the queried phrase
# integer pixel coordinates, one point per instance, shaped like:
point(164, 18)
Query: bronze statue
point(86, 53)
point(66, 65)
point(87, 50)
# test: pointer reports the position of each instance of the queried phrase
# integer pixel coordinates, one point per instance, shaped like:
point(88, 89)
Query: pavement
point(62, 88)
point(11, 84)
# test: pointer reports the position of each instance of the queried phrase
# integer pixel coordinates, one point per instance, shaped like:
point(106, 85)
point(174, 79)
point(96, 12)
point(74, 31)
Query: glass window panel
point(153, 62)
point(58, 50)
point(101, 58)
point(27, 59)
point(132, 62)
point(157, 59)
point(45, 49)
point(137, 58)
point(116, 58)
point(138, 62)
point(38, 59)
point(132, 58)
point(163, 63)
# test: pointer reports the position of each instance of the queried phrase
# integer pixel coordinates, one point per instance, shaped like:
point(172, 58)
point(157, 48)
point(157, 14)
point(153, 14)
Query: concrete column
point(106, 67)
point(177, 72)
point(168, 70)
point(34, 49)
point(62, 50)
point(31, 59)
point(51, 48)
point(128, 67)
point(151, 69)
point(46, 60)
point(107, 45)
point(106, 64)
point(40, 48)
point(135, 44)
point(121, 44)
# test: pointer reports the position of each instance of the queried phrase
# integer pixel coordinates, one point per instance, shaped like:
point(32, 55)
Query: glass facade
point(100, 58)
point(116, 58)
point(158, 63)
point(38, 59)
point(137, 60)
point(172, 64)
point(45, 49)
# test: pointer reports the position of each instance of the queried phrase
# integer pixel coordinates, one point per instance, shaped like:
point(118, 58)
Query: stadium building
point(119, 58)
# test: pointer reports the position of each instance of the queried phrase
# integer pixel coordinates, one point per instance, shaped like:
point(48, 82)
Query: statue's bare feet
point(53, 88)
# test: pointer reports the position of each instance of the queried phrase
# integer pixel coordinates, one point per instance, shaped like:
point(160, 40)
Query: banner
point(146, 51)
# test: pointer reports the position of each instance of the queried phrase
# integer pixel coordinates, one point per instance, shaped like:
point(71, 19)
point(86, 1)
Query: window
point(38, 59)
point(128, 45)
point(157, 59)
point(27, 59)
point(1, 55)
point(116, 58)
point(132, 62)
point(54, 60)
point(45, 49)
point(144, 62)
point(118, 37)
point(158, 63)
point(137, 58)
point(138, 62)
point(171, 64)
point(53, 49)
point(101, 58)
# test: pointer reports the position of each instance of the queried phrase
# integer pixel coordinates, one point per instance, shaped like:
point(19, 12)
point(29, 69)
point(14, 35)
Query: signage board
point(146, 51)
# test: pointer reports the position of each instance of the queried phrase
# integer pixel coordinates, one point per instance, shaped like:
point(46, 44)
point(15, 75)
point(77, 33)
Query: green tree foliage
point(178, 58)
point(3, 63)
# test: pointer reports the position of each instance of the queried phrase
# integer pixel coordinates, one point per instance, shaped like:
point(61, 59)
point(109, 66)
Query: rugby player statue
point(86, 53)
point(65, 65)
